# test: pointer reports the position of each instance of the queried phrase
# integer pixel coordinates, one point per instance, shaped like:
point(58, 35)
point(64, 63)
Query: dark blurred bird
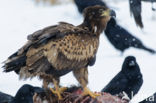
point(5, 98)
point(121, 39)
point(129, 80)
point(135, 10)
point(151, 99)
point(82, 4)
point(59, 49)
point(24, 95)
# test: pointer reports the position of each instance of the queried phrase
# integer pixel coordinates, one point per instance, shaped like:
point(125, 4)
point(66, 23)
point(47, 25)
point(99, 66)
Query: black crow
point(129, 80)
point(24, 95)
point(151, 99)
point(135, 10)
point(121, 39)
point(82, 4)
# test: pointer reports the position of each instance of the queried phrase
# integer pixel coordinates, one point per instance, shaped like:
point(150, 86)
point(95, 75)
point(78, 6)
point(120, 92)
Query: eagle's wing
point(58, 46)
point(18, 59)
point(65, 50)
point(43, 36)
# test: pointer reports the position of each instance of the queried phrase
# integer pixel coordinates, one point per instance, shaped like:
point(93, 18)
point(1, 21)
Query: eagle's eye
point(100, 11)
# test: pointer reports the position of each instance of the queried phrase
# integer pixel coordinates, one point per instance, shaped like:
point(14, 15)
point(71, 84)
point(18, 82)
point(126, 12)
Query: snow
point(18, 18)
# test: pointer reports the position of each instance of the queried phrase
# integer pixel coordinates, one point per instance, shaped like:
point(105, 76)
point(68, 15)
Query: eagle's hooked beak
point(109, 12)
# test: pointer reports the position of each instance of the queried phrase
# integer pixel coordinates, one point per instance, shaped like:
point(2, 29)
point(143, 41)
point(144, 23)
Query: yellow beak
point(109, 12)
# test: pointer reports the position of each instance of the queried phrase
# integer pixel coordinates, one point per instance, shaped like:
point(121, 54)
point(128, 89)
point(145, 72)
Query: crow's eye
point(93, 13)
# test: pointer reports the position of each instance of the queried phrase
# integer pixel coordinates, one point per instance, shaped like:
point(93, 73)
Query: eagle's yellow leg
point(86, 91)
point(57, 90)
point(82, 76)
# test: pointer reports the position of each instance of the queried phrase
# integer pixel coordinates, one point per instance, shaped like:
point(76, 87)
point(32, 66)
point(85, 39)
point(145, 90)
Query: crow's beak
point(38, 90)
point(112, 13)
point(131, 63)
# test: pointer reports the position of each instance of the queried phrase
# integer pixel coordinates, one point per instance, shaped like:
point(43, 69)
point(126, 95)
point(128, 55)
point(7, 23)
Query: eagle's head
point(96, 17)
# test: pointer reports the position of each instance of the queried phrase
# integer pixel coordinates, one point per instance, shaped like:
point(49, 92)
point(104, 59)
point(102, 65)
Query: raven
point(121, 39)
point(24, 95)
point(129, 80)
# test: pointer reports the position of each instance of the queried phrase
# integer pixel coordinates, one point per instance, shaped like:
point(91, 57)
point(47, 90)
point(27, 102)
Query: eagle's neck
point(94, 27)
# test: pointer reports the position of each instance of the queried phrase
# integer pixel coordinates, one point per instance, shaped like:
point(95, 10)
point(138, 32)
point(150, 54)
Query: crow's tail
point(149, 50)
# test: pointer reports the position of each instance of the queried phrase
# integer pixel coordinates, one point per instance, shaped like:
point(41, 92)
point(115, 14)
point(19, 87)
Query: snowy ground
point(18, 18)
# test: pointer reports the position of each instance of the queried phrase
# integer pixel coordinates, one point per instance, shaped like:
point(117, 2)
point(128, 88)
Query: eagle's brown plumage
point(57, 50)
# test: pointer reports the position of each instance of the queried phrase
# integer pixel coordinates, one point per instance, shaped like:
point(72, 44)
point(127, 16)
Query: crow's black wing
point(5, 98)
point(116, 85)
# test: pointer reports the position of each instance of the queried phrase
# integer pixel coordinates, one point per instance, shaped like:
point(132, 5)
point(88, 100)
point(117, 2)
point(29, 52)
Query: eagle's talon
point(58, 92)
point(90, 93)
